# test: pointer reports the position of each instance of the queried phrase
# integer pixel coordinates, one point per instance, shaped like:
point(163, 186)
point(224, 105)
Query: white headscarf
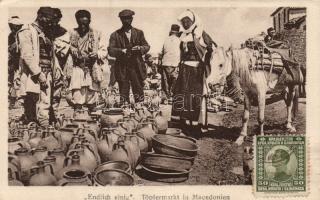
point(197, 27)
point(15, 20)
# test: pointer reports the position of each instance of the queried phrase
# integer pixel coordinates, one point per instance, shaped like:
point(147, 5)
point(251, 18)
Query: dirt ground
point(220, 160)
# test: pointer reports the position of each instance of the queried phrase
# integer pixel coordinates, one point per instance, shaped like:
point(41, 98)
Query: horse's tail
point(295, 101)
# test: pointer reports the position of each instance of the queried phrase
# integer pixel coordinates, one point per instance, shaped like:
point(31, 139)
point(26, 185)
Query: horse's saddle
point(276, 60)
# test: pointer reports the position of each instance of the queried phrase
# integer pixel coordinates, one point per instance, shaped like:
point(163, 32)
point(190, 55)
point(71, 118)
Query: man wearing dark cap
point(36, 60)
point(88, 54)
point(170, 60)
point(127, 45)
point(270, 36)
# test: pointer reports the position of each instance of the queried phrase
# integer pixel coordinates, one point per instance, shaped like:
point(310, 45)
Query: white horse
point(254, 83)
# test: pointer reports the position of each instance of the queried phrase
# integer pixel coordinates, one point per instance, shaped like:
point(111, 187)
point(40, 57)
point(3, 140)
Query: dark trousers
point(30, 109)
point(136, 83)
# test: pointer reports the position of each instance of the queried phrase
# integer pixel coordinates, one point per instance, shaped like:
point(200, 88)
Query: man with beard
point(15, 25)
point(127, 45)
point(88, 54)
point(36, 58)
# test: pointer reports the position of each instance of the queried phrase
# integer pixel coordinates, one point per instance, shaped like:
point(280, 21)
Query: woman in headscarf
point(196, 48)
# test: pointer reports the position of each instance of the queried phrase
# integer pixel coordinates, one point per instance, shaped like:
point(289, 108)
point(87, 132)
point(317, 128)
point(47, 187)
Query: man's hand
point(93, 55)
point(136, 48)
point(42, 78)
point(124, 51)
point(74, 51)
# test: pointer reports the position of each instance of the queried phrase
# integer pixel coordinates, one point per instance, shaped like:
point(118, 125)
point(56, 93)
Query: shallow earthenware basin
point(174, 146)
point(112, 177)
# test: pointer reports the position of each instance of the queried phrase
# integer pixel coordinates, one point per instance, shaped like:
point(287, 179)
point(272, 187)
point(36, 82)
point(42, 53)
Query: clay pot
point(75, 177)
point(110, 117)
point(105, 144)
point(161, 122)
point(41, 177)
point(40, 153)
point(141, 141)
point(16, 143)
point(132, 144)
point(146, 128)
point(88, 157)
point(88, 133)
point(27, 161)
point(120, 152)
point(35, 138)
point(13, 179)
point(59, 155)
point(71, 163)
point(51, 139)
point(51, 160)
point(14, 165)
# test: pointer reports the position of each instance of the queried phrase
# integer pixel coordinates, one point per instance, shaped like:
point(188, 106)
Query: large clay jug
point(14, 165)
point(76, 177)
point(122, 128)
point(120, 152)
point(13, 179)
point(51, 139)
point(88, 158)
point(71, 163)
point(35, 138)
point(88, 133)
point(41, 177)
point(26, 161)
point(110, 117)
point(146, 128)
point(59, 155)
point(51, 160)
point(40, 153)
point(132, 144)
point(105, 144)
point(141, 141)
point(161, 122)
point(16, 143)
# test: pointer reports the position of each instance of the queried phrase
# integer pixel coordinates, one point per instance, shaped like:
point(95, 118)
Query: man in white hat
point(15, 25)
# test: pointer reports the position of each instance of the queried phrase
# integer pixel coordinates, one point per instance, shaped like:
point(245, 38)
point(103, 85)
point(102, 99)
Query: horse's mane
point(242, 60)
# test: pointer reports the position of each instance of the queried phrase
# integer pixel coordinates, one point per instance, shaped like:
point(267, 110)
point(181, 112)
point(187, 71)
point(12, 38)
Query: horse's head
point(220, 66)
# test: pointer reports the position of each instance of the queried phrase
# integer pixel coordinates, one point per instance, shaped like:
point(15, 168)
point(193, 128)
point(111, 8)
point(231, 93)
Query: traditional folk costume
point(87, 72)
point(196, 48)
point(36, 55)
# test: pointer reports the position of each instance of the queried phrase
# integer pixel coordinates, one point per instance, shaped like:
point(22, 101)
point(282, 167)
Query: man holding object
point(128, 45)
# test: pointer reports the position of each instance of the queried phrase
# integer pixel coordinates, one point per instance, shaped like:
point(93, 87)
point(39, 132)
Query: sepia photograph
point(101, 96)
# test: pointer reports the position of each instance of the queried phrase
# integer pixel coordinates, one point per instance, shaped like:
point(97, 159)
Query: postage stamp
point(281, 164)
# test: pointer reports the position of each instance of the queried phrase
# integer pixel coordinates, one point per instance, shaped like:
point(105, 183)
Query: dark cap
point(83, 13)
point(46, 11)
point(57, 13)
point(175, 28)
point(270, 29)
point(126, 13)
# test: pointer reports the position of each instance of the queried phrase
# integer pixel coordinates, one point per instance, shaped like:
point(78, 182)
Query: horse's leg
point(261, 109)
point(289, 97)
point(245, 120)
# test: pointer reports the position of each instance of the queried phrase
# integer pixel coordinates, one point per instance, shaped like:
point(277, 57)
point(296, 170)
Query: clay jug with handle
point(27, 161)
point(105, 144)
point(71, 163)
point(40, 153)
point(51, 139)
point(132, 144)
point(59, 155)
point(161, 122)
point(12, 178)
point(76, 177)
point(120, 152)
point(15, 143)
point(41, 177)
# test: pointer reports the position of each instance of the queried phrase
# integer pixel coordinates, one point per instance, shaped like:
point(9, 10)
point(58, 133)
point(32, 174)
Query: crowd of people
point(41, 53)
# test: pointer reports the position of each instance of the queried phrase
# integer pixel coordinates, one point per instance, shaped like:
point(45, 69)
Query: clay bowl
point(173, 131)
point(161, 161)
point(119, 165)
point(112, 177)
point(167, 176)
point(174, 146)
